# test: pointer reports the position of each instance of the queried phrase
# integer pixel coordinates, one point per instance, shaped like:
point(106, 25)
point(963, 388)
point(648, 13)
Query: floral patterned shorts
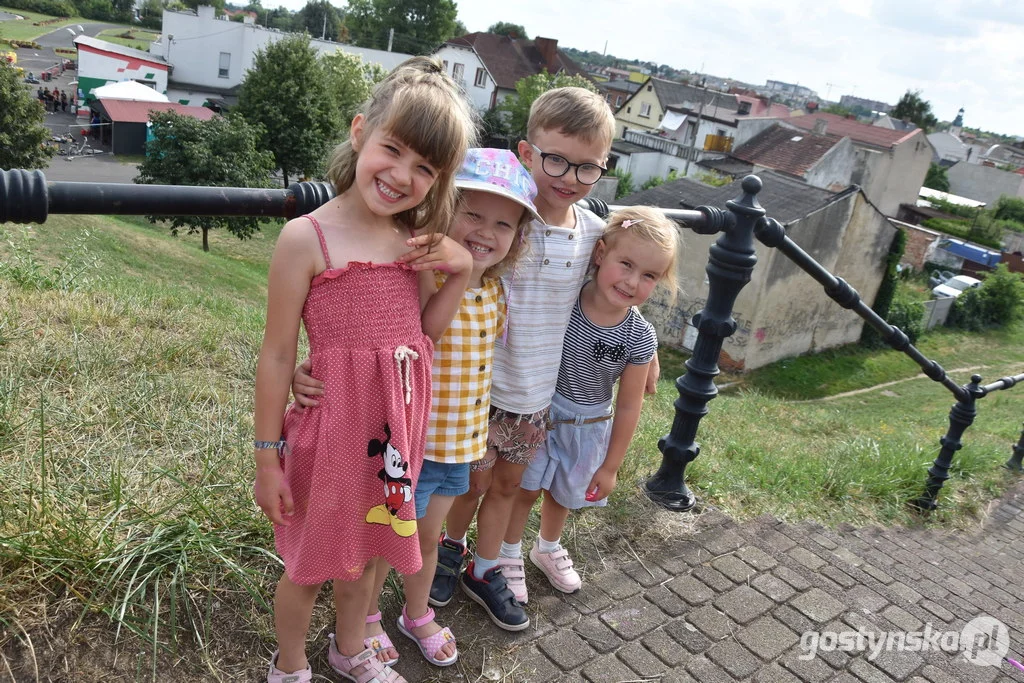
point(513, 437)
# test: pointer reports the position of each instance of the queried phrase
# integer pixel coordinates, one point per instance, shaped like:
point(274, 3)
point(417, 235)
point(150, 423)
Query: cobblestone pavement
point(730, 602)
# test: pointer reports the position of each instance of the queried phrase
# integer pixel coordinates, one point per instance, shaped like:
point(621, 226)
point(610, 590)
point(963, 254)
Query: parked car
point(938, 277)
point(955, 286)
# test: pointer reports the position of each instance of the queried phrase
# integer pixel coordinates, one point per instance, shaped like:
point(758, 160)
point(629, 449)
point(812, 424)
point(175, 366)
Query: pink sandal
point(430, 645)
point(371, 669)
point(380, 642)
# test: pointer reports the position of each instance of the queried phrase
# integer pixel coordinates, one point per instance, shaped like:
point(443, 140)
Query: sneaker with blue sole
point(493, 594)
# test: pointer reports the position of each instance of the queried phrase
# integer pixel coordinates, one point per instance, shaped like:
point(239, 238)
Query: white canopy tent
point(128, 90)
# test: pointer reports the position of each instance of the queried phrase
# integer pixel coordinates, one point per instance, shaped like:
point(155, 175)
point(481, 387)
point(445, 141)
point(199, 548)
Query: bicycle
point(80, 149)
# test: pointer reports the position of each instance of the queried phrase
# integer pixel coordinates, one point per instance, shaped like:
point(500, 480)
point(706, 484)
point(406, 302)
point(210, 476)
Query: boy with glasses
point(569, 136)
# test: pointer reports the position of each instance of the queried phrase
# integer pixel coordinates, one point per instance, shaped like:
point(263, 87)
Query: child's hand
point(601, 485)
point(305, 387)
point(273, 495)
point(437, 252)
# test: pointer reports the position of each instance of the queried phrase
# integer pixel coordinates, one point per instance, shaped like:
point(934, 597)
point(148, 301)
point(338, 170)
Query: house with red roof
point(890, 165)
point(488, 66)
point(820, 160)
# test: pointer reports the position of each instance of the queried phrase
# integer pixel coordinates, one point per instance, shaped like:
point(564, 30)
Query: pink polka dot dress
point(352, 462)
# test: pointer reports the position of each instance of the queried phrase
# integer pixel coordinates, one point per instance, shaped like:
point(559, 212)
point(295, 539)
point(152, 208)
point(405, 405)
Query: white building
point(100, 62)
point(209, 57)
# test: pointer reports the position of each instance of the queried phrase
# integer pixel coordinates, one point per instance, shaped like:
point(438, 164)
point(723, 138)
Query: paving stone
point(898, 665)
point(719, 542)
point(743, 604)
point(824, 541)
point(773, 541)
point(617, 584)
point(557, 610)
point(597, 634)
point(535, 667)
point(645, 573)
point(806, 558)
point(936, 675)
point(566, 649)
point(773, 673)
point(806, 668)
point(867, 672)
point(792, 578)
point(901, 618)
point(641, 660)
point(848, 557)
point(667, 601)
point(864, 597)
point(680, 556)
point(817, 605)
point(588, 600)
point(733, 567)
point(793, 619)
point(706, 671)
point(632, 618)
point(767, 638)
point(904, 591)
point(957, 586)
point(756, 558)
point(687, 635)
point(734, 658)
point(711, 622)
point(877, 574)
point(774, 588)
point(715, 579)
point(667, 648)
point(691, 589)
point(839, 576)
point(607, 669)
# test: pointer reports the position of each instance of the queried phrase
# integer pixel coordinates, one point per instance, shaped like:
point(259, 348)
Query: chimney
point(820, 126)
point(548, 49)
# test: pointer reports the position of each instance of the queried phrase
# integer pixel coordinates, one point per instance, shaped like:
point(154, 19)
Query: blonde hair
point(576, 112)
point(421, 106)
point(650, 224)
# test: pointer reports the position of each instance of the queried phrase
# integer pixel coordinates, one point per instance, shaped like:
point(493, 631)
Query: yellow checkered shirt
point(462, 376)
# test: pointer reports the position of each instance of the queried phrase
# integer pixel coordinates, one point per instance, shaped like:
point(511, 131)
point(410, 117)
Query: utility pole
point(693, 142)
point(391, 38)
point(323, 31)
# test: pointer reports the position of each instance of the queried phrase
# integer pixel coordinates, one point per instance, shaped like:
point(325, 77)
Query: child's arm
point(291, 269)
point(437, 252)
point(653, 375)
point(627, 416)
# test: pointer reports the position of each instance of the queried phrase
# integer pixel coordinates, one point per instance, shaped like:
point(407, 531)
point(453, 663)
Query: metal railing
point(27, 196)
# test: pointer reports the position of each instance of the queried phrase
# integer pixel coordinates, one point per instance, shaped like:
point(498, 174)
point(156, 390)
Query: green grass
point(24, 29)
point(127, 363)
point(140, 38)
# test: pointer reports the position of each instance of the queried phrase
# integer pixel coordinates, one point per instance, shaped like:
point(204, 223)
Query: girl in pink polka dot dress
point(337, 480)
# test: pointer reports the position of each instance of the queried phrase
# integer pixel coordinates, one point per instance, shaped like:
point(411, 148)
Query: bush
point(55, 8)
point(997, 302)
point(625, 186)
point(886, 290)
point(984, 232)
point(652, 182)
point(907, 313)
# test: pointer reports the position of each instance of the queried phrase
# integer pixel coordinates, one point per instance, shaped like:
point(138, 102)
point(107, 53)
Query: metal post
point(729, 269)
point(961, 416)
point(1016, 461)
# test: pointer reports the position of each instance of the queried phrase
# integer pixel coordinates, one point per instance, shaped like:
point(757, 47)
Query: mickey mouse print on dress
point(397, 486)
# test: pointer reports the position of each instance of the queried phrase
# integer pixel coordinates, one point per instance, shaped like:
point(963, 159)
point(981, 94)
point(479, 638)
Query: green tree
point(913, 108)
point(837, 109)
point(625, 184)
point(998, 302)
point(281, 18)
point(419, 25)
point(504, 28)
point(221, 152)
point(517, 107)
point(349, 81)
point(936, 178)
point(285, 93)
point(321, 19)
point(1010, 209)
point(22, 132)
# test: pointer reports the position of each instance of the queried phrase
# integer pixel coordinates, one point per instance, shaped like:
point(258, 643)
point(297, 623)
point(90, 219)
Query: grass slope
point(129, 541)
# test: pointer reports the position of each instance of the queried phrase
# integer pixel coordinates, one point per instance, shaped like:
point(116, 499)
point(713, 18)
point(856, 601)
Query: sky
point(958, 53)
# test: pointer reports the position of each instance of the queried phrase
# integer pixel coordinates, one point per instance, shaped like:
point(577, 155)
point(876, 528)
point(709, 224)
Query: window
point(629, 110)
point(457, 72)
point(225, 65)
point(444, 65)
point(618, 100)
point(481, 78)
point(650, 88)
point(645, 110)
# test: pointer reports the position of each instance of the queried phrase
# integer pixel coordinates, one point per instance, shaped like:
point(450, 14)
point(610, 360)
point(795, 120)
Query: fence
point(27, 196)
point(936, 311)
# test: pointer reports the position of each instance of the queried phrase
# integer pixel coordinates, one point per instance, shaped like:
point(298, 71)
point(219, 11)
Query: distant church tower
point(958, 123)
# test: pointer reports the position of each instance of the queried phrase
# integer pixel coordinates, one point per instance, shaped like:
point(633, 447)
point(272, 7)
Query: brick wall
point(918, 241)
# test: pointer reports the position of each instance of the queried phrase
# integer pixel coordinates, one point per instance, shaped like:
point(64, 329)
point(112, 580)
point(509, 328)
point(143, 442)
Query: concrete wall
point(984, 183)
point(782, 312)
point(481, 95)
point(893, 177)
point(833, 171)
point(936, 311)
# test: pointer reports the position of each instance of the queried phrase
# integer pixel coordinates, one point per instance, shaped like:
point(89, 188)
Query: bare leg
point(552, 518)
point(293, 608)
point(493, 517)
point(464, 507)
point(417, 586)
point(520, 515)
point(351, 600)
point(380, 575)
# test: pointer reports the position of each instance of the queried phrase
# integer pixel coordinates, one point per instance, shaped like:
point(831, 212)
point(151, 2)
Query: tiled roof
point(784, 198)
point(787, 150)
point(840, 126)
point(670, 92)
point(510, 59)
point(130, 111)
point(760, 106)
